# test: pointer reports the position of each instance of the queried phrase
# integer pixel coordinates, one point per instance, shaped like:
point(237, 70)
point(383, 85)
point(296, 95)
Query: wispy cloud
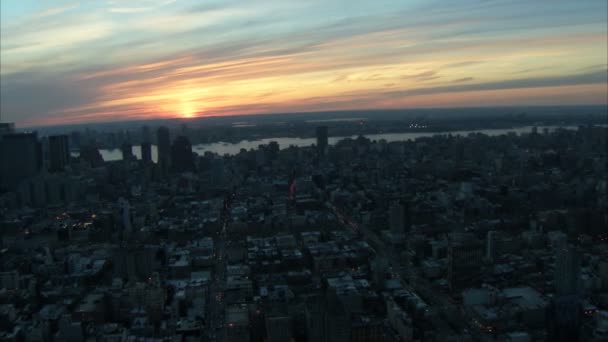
point(136, 6)
point(461, 64)
point(529, 70)
point(114, 60)
point(423, 76)
point(464, 79)
point(53, 11)
point(522, 83)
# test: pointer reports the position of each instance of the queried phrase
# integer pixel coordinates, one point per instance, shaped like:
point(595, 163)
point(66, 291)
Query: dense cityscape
point(303, 171)
point(447, 237)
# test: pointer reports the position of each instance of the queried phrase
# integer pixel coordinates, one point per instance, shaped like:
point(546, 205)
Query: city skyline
point(77, 62)
point(306, 171)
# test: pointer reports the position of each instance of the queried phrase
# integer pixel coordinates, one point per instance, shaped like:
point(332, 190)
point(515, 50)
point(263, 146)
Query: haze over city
point(66, 62)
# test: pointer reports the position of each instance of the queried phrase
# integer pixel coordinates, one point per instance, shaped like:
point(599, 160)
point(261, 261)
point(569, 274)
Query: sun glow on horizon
point(188, 111)
point(184, 108)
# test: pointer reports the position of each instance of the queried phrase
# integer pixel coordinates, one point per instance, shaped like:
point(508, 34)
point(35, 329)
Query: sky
point(64, 62)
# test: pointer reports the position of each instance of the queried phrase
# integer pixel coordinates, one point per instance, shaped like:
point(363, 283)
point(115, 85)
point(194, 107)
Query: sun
point(188, 110)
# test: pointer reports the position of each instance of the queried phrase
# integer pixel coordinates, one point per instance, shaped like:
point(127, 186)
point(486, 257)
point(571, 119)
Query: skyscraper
point(277, 328)
point(125, 215)
point(145, 134)
point(146, 152)
point(491, 245)
point(565, 321)
point(182, 159)
point(567, 272)
point(127, 151)
point(59, 153)
point(314, 314)
point(465, 254)
point(164, 149)
point(75, 140)
point(397, 218)
point(90, 153)
point(321, 140)
point(146, 145)
point(20, 158)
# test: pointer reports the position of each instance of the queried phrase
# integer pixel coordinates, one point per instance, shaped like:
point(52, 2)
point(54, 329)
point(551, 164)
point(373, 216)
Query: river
point(223, 148)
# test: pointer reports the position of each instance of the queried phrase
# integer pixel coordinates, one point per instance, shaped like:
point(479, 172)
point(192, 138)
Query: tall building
point(564, 323)
point(125, 215)
point(146, 152)
point(59, 153)
point(314, 314)
point(379, 268)
point(237, 323)
point(491, 245)
point(145, 134)
point(127, 151)
point(90, 153)
point(337, 324)
point(565, 314)
point(278, 328)
point(567, 272)
point(399, 320)
point(322, 140)
point(365, 328)
point(75, 140)
point(146, 145)
point(182, 159)
point(164, 149)
point(135, 261)
point(397, 218)
point(217, 171)
point(465, 254)
point(20, 158)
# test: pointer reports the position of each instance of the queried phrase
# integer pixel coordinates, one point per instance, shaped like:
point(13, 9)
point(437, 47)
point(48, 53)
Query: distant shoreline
point(232, 148)
point(440, 114)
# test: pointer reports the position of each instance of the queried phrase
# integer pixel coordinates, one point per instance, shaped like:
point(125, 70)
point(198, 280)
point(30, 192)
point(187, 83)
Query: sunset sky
point(108, 60)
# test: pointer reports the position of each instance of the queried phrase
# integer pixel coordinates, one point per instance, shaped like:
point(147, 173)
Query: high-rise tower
point(182, 159)
point(20, 158)
point(59, 153)
point(164, 149)
point(322, 140)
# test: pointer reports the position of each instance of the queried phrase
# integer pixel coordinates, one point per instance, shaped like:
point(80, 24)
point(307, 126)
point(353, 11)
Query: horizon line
point(210, 116)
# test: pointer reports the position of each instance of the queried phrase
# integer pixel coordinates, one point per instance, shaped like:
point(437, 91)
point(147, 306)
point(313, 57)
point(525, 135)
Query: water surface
point(222, 148)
